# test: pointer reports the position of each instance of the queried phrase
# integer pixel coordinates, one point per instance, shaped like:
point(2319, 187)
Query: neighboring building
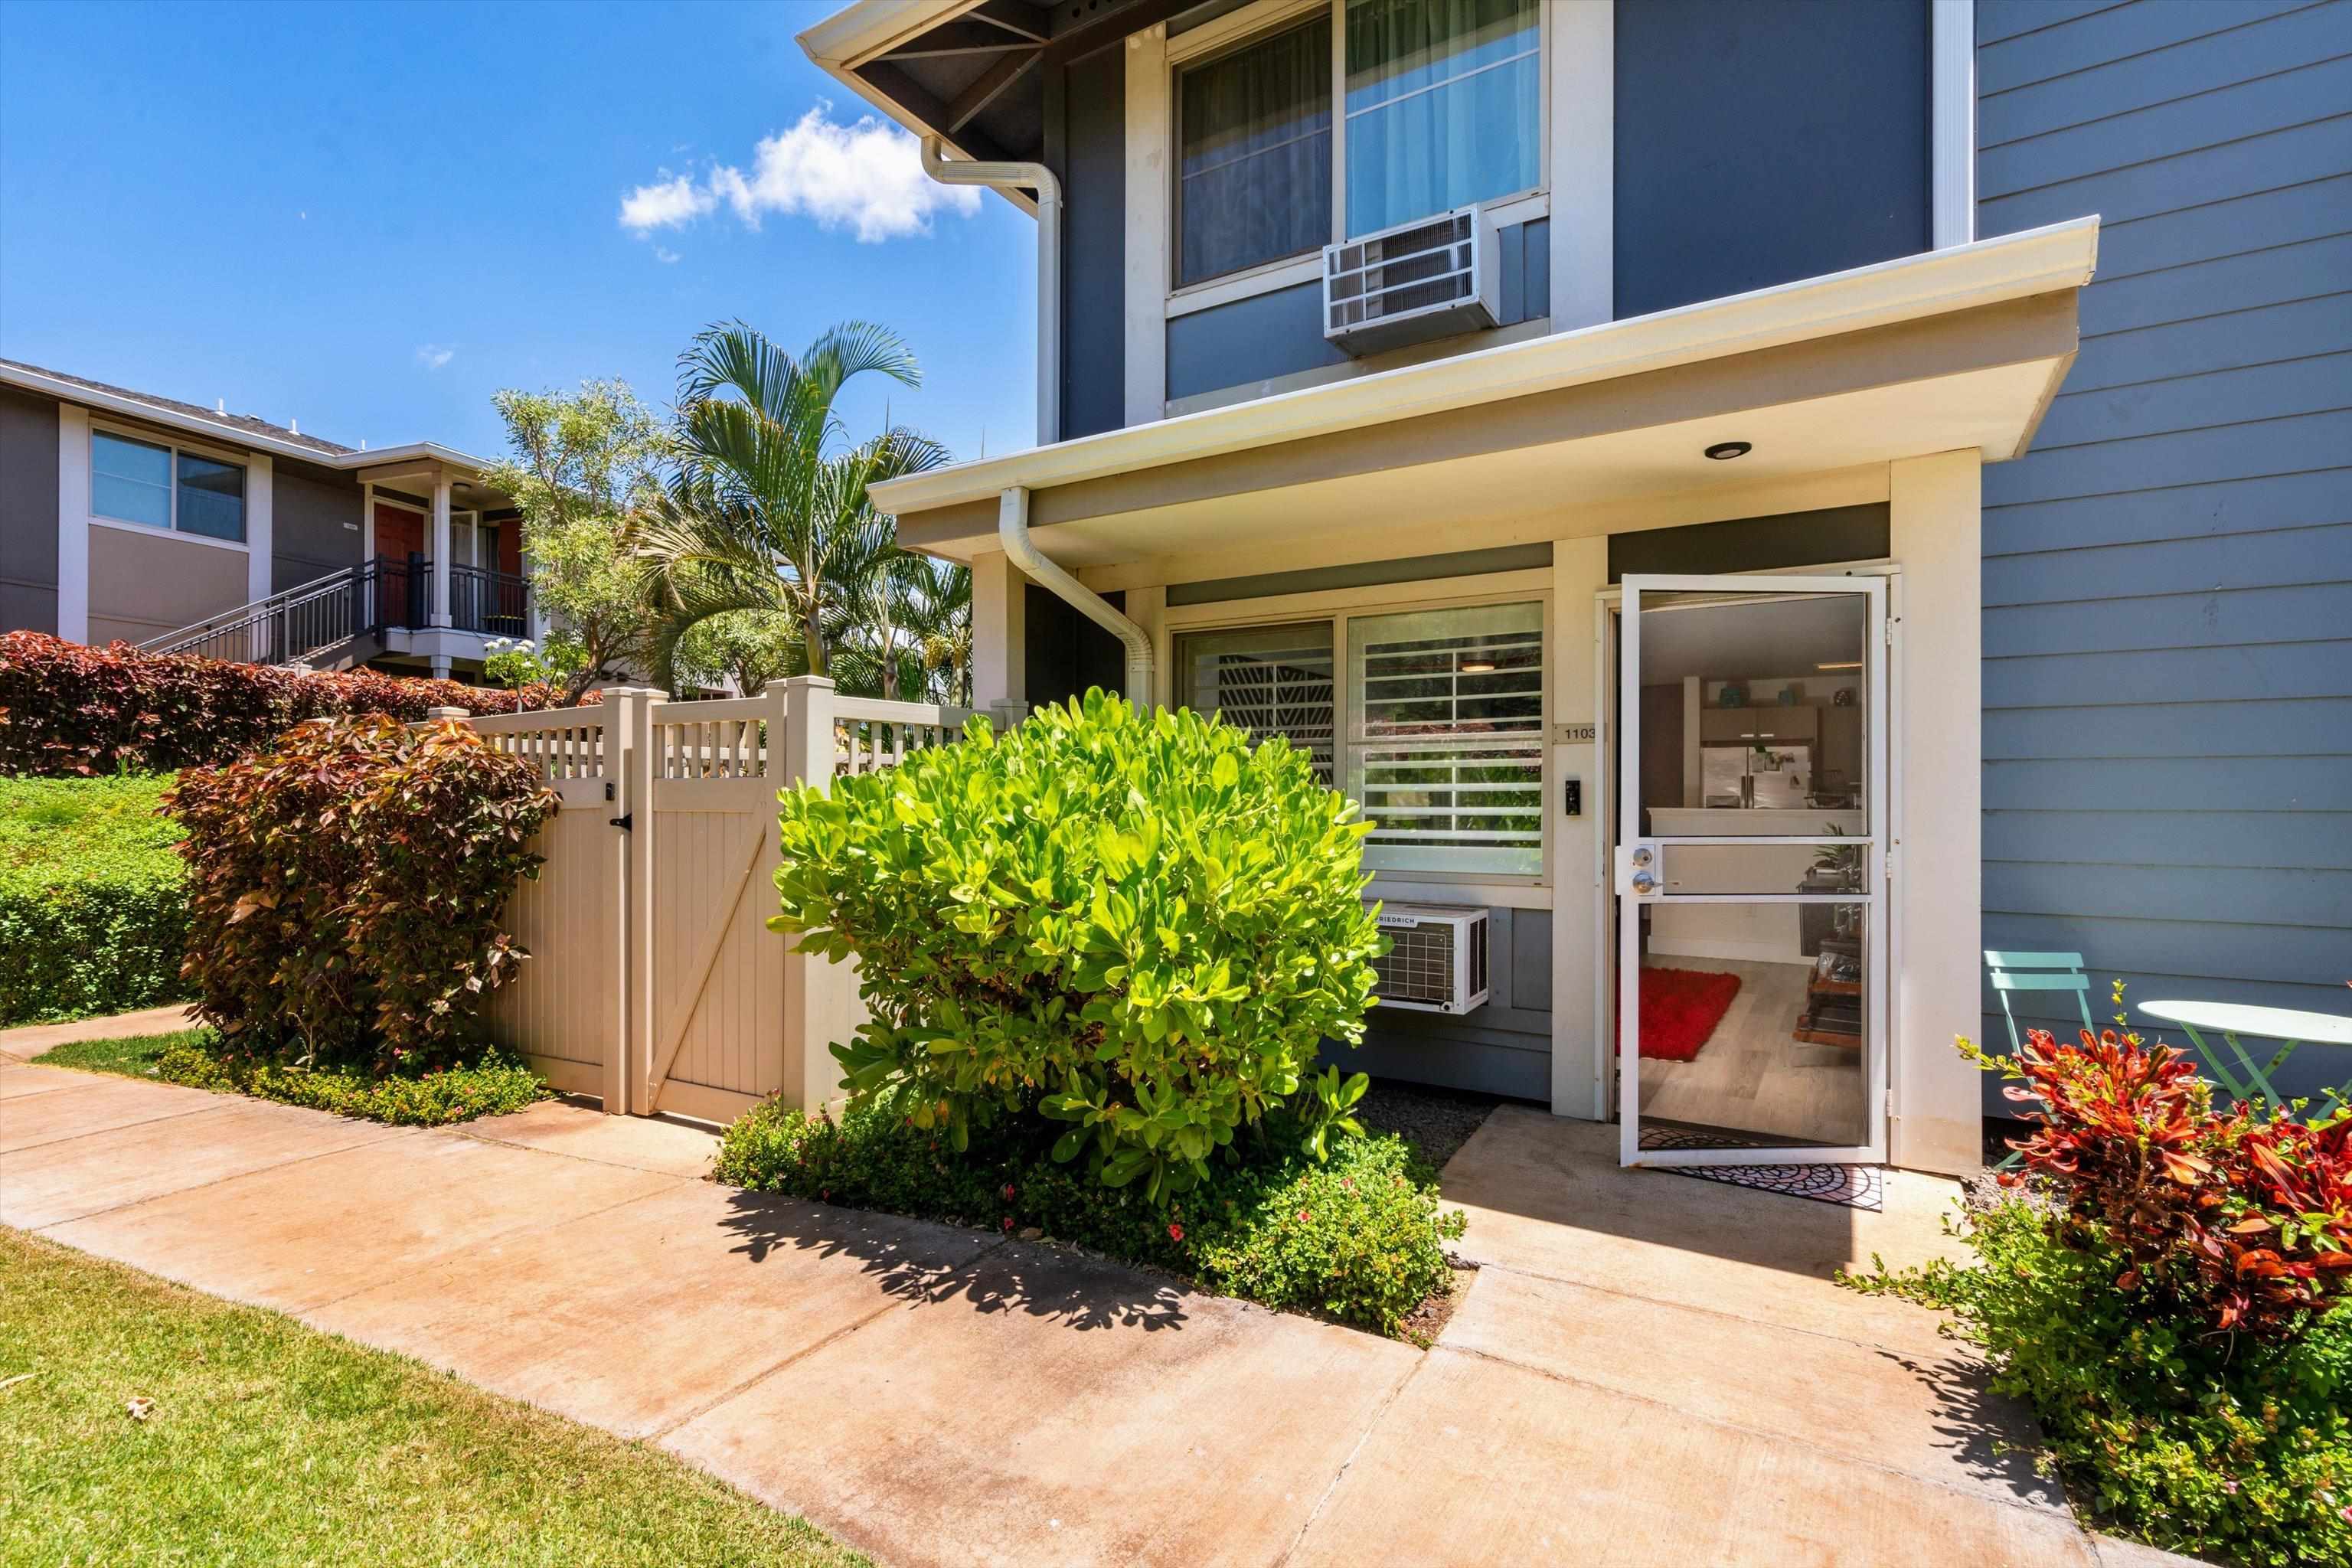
point(1590, 425)
point(129, 517)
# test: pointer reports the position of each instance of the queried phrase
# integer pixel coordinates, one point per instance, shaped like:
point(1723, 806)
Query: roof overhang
point(407, 454)
point(1942, 352)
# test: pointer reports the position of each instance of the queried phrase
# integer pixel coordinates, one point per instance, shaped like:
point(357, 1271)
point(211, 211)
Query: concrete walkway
point(1648, 1370)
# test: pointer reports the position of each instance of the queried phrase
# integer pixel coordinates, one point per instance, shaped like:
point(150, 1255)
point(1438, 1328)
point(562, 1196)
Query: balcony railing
point(371, 598)
point(495, 603)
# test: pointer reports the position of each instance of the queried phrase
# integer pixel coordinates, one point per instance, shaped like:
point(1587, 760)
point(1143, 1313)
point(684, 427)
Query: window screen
point(1445, 739)
point(1270, 680)
point(129, 481)
point(1445, 106)
point(1255, 183)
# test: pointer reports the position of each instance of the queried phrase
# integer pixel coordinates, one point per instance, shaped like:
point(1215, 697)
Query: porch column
point(1935, 986)
point(367, 522)
point(1000, 621)
point(440, 616)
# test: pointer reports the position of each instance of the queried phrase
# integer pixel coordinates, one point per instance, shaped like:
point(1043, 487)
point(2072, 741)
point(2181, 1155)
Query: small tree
point(578, 465)
point(749, 647)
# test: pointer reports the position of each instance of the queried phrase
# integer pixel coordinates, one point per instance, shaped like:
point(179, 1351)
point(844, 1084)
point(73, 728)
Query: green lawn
point(94, 896)
point(270, 1443)
point(493, 1086)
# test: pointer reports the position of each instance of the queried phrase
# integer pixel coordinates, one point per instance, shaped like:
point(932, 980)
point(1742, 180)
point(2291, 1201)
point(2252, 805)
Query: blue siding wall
point(1270, 335)
point(2168, 576)
point(1764, 142)
point(1087, 131)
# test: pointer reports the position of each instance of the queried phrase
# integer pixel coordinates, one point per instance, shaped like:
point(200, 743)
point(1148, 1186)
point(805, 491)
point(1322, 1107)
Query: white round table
point(2291, 1026)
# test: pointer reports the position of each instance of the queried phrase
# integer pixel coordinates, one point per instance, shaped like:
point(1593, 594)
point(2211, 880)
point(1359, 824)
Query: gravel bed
point(1437, 1122)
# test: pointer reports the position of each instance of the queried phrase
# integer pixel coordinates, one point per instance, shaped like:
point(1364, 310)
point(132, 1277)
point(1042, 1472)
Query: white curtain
point(1443, 106)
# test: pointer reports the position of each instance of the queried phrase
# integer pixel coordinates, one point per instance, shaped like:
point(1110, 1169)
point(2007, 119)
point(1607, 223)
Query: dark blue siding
point(2168, 679)
point(1761, 142)
point(1270, 335)
point(1093, 166)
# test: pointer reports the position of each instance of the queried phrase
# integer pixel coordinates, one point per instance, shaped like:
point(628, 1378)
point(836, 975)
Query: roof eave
point(1984, 272)
point(67, 391)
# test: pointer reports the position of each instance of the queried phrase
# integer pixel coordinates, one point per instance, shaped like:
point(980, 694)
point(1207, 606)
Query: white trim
point(1952, 119)
point(440, 536)
point(1581, 163)
point(1878, 893)
point(245, 463)
point(230, 436)
point(1151, 201)
point(367, 521)
point(73, 524)
point(1335, 608)
point(260, 525)
point(1988, 271)
point(149, 531)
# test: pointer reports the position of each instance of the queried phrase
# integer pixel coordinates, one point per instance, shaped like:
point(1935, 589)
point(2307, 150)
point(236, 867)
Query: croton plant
point(2240, 1218)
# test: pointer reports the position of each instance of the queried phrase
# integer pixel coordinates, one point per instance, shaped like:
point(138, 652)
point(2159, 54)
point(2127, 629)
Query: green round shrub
point(1143, 927)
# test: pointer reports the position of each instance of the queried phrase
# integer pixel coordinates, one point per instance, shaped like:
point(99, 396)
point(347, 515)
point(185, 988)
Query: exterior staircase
point(329, 623)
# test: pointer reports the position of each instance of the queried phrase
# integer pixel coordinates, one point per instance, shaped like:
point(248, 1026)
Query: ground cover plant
point(1136, 928)
point(492, 1085)
point(345, 888)
point(93, 898)
point(67, 710)
point(1358, 1236)
point(2176, 1306)
point(148, 1423)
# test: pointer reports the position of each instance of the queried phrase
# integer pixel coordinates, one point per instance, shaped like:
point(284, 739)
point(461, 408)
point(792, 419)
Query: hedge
point(93, 898)
point(66, 709)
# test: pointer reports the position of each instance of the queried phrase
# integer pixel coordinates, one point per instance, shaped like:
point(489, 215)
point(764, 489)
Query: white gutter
point(1985, 272)
point(1012, 533)
point(231, 435)
point(1002, 176)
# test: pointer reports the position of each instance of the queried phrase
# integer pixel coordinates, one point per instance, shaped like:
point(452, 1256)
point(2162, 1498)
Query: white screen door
point(1751, 870)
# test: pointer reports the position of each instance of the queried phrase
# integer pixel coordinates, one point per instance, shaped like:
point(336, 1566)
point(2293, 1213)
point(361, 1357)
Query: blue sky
point(369, 218)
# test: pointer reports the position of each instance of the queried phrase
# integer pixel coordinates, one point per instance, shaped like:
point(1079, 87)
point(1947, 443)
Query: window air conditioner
point(1436, 961)
point(1428, 278)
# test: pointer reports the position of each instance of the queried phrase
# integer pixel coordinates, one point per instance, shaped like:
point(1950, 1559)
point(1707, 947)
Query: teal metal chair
point(2015, 971)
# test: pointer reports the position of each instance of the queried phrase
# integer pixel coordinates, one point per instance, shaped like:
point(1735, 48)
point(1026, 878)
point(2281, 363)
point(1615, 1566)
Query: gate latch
point(624, 821)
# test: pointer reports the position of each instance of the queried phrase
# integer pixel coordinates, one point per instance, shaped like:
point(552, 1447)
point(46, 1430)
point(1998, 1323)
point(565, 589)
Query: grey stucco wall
point(1764, 142)
point(2167, 575)
point(309, 538)
point(28, 513)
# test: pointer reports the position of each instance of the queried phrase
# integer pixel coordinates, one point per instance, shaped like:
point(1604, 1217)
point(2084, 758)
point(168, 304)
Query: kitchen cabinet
point(1841, 752)
point(1766, 726)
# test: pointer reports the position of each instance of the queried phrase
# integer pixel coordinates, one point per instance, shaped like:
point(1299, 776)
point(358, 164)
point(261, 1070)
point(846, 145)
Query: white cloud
point(666, 204)
point(432, 356)
point(866, 177)
point(666, 255)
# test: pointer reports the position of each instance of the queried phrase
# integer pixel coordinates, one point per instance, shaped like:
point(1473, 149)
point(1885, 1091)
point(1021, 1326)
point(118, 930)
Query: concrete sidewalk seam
point(699, 1411)
point(488, 1141)
point(492, 1239)
point(2062, 1506)
point(1372, 1424)
point(119, 1127)
point(380, 1134)
point(1943, 1319)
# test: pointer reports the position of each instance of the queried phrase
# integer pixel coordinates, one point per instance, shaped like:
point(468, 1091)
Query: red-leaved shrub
point(2240, 1221)
point(345, 887)
point(68, 709)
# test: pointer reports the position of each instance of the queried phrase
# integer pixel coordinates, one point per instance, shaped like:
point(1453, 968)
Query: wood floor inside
point(1751, 1076)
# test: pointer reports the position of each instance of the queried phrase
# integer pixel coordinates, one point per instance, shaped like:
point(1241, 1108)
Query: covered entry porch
point(442, 554)
point(1425, 577)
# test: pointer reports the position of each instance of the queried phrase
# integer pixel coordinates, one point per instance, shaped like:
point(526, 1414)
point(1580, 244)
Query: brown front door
point(399, 532)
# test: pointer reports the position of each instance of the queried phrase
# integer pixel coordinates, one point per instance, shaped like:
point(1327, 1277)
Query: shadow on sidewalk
point(927, 1263)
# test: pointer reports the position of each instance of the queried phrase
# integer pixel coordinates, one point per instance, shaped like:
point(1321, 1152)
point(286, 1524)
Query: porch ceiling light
point(1724, 451)
point(1477, 666)
point(1848, 664)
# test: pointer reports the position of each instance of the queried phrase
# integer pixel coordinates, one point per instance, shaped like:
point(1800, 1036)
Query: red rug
point(1680, 1008)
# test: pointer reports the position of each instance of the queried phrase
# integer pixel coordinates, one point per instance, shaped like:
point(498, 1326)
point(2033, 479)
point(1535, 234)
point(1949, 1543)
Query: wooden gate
point(655, 982)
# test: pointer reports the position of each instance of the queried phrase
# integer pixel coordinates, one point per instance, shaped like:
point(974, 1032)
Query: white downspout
point(1037, 177)
point(1012, 533)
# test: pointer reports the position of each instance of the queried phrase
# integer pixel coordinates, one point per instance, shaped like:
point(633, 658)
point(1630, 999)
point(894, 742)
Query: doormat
point(1853, 1186)
point(1680, 1008)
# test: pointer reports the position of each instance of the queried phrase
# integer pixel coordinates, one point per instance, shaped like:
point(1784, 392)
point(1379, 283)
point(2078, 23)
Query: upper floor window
point(1254, 184)
point(159, 486)
point(1445, 106)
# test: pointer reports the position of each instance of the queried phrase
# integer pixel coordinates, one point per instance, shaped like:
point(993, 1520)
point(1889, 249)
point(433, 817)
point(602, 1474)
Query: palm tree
point(905, 623)
point(768, 509)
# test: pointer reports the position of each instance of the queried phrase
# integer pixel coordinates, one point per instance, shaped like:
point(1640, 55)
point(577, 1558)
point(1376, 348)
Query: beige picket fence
point(654, 983)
